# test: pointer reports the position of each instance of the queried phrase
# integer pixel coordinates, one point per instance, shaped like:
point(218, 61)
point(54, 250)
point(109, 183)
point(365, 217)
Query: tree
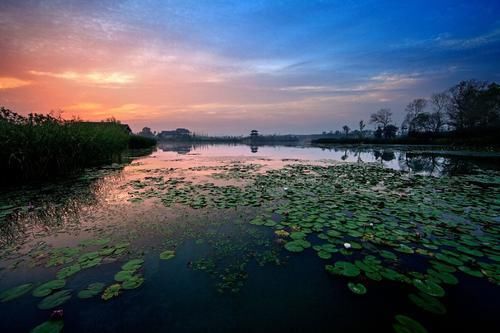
point(362, 126)
point(390, 131)
point(440, 104)
point(413, 110)
point(464, 111)
point(382, 118)
point(146, 132)
point(346, 129)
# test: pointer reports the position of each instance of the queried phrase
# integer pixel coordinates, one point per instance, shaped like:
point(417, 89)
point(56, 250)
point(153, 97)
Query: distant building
point(254, 133)
point(179, 133)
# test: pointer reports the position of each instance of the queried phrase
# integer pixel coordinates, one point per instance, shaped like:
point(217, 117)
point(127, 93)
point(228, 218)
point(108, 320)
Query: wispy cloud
point(12, 82)
point(447, 41)
point(82, 107)
point(98, 78)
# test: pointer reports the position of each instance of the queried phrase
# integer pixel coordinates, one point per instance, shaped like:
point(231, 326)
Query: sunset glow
point(297, 66)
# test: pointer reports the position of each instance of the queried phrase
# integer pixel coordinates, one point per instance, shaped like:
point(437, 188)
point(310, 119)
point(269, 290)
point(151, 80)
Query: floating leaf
point(133, 265)
point(16, 292)
point(428, 303)
point(47, 288)
point(54, 300)
point(343, 268)
point(357, 288)
point(92, 290)
point(168, 254)
point(429, 287)
point(111, 291)
point(50, 326)
point(406, 324)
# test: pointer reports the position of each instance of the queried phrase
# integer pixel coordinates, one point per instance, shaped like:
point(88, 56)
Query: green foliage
point(139, 142)
point(43, 146)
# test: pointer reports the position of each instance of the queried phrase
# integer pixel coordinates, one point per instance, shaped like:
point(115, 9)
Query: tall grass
point(42, 146)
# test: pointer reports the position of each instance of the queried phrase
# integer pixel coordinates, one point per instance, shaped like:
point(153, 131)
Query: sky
point(226, 67)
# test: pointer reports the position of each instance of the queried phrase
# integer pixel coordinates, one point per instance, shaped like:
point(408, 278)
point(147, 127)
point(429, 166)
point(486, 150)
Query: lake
point(225, 238)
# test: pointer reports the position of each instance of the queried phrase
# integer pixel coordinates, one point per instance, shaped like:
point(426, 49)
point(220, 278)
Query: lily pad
point(55, 300)
point(297, 245)
point(429, 287)
point(168, 254)
point(47, 288)
point(15, 292)
point(428, 303)
point(111, 291)
point(343, 268)
point(133, 265)
point(50, 326)
point(357, 288)
point(406, 324)
point(92, 290)
point(133, 283)
point(68, 271)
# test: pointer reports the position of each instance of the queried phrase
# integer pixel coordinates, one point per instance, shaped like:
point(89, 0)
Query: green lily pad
point(50, 326)
point(133, 265)
point(15, 292)
point(297, 245)
point(111, 291)
point(324, 255)
point(428, 303)
point(406, 324)
point(168, 254)
point(357, 288)
point(429, 287)
point(471, 271)
point(68, 271)
point(297, 235)
point(343, 268)
point(92, 290)
point(133, 283)
point(123, 275)
point(47, 288)
point(54, 300)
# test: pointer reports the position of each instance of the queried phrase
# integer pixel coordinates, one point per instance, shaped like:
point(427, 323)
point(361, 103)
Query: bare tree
point(414, 110)
point(440, 104)
point(362, 126)
point(382, 118)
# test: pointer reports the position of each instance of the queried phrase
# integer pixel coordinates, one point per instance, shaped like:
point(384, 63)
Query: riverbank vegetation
point(38, 146)
point(466, 114)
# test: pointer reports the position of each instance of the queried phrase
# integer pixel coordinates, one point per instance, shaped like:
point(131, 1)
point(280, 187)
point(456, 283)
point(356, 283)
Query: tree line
point(468, 107)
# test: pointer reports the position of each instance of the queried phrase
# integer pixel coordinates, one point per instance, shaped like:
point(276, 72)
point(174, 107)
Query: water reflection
point(411, 159)
point(426, 162)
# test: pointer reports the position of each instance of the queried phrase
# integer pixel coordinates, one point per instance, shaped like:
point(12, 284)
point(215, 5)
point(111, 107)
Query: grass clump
point(38, 146)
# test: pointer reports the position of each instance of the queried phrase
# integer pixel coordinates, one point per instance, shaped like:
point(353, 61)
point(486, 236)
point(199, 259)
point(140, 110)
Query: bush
point(42, 146)
point(139, 142)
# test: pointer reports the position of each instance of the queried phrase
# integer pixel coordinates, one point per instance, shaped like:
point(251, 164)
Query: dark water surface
point(231, 273)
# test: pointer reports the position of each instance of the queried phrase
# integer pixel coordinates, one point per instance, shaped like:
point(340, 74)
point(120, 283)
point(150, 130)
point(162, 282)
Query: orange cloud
point(92, 77)
point(12, 82)
point(83, 107)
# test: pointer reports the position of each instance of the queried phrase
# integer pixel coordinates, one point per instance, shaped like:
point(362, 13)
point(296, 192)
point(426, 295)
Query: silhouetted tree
point(440, 104)
point(414, 110)
point(390, 131)
point(146, 132)
point(346, 129)
point(465, 104)
point(362, 126)
point(381, 118)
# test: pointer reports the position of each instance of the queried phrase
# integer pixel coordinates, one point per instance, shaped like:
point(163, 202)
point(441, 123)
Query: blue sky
point(223, 67)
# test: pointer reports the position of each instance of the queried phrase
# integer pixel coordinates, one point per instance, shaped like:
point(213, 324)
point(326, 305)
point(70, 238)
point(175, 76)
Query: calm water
point(227, 274)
